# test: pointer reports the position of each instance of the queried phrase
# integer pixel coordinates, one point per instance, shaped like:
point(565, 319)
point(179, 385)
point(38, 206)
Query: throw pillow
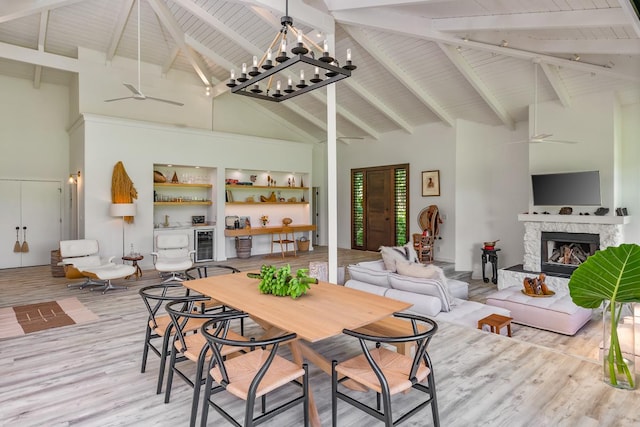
point(427, 272)
point(391, 254)
point(369, 275)
point(420, 286)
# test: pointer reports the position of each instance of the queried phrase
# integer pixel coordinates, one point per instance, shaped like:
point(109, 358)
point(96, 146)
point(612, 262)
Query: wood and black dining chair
point(201, 271)
point(191, 346)
point(159, 323)
point(251, 375)
point(387, 372)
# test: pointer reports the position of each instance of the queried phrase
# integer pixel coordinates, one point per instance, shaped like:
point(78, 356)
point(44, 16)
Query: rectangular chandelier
point(276, 82)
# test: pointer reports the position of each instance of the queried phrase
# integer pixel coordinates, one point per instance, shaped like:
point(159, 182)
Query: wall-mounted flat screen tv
point(566, 189)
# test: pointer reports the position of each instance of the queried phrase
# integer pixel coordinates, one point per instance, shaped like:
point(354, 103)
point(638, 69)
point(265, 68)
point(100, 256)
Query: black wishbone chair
point(388, 373)
point(159, 323)
point(193, 347)
point(201, 271)
point(251, 375)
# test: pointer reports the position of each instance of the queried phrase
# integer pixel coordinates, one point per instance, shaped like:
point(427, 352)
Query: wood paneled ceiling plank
point(168, 21)
point(467, 72)
point(361, 38)
point(415, 26)
point(633, 14)
point(118, 28)
point(359, 4)
point(14, 9)
point(374, 101)
point(593, 18)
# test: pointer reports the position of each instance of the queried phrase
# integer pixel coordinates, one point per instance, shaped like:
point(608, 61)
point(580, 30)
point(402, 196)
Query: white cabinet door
point(35, 205)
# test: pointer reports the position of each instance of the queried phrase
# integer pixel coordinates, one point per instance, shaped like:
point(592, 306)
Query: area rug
point(24, 319)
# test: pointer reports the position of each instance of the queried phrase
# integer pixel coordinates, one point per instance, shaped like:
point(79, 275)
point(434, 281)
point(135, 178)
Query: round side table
point(134, 260)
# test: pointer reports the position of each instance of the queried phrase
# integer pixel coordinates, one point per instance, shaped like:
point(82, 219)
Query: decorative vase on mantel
point(618, 355)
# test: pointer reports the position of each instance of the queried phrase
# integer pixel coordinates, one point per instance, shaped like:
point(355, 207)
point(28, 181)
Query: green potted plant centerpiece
point(280, 281)
point(611, 278)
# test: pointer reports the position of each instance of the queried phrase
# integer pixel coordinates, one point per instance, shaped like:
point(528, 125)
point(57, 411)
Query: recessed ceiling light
point(504, 43)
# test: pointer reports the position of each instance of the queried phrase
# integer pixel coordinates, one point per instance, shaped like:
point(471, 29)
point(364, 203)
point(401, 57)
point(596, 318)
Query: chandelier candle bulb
point(302, 84)
point(289, 88)
point(348, 55)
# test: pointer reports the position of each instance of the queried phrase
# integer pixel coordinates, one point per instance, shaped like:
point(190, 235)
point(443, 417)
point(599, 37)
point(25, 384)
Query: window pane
point(401, 197)
point(357, 209)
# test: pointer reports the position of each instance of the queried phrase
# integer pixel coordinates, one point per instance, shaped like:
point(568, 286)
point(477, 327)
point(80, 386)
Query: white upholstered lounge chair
point(172, 256)
point(82, 256)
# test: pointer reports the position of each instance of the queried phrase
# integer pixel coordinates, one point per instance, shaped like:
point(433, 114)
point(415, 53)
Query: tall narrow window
point(379, 206)
point(401, 202)
point(357, 209)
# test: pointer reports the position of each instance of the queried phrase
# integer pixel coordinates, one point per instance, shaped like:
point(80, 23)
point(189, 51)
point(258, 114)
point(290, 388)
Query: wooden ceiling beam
point(470, 75)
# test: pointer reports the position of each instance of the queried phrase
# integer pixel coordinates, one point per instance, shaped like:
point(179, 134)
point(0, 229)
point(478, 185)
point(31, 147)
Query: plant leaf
point(610, 274)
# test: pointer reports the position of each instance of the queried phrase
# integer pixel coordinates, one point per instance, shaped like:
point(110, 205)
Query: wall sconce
point(73, 178)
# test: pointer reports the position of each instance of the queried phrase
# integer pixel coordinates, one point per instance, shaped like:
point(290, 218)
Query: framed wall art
point(430, 183)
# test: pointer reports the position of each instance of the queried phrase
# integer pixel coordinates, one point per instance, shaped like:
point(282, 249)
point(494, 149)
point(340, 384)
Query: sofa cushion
point(458, 288)
point(557, 313)
point(391, 254)
point(422, 304)
point(369, 275)
point(420, 286)
point(426, 272)
point(366, 287)
point(374, 265)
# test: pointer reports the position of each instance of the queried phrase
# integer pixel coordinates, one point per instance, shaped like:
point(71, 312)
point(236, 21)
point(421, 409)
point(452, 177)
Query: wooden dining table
point(323, 312)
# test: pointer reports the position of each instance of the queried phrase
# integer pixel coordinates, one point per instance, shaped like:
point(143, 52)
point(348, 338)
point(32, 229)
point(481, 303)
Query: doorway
point(379, 206)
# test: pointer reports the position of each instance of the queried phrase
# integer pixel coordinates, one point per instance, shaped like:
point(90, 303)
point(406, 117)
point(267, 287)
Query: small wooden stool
point(496, 322)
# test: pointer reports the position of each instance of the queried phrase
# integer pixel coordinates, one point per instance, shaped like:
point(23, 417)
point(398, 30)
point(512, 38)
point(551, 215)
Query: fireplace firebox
point(562, 253)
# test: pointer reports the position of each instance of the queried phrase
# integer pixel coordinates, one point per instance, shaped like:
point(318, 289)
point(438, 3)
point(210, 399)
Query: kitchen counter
point(183, 225)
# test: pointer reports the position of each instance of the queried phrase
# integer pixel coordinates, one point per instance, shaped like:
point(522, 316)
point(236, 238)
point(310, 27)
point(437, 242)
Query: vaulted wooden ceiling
point(419, 61)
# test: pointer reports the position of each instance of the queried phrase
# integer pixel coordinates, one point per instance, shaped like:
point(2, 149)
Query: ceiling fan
point(137, 93)
point(538, 138)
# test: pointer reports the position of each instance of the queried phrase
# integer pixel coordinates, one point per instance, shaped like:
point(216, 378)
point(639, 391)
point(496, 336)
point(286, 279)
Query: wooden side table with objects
point(134, 260)
point(496, 322)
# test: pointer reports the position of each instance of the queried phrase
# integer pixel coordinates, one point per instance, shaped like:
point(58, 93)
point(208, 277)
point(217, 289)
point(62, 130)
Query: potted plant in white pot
point(612, 276)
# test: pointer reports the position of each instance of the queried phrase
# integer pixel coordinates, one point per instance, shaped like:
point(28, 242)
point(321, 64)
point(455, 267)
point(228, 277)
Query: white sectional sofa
point(441, 298)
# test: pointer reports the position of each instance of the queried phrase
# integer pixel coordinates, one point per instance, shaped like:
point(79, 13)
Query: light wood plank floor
point(89, 374)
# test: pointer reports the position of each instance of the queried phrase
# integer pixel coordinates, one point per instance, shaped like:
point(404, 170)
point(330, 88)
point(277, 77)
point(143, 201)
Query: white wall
point(591, 122)
point(140, 145)
point(430, 147)
point(630, 158)
point(490, 192)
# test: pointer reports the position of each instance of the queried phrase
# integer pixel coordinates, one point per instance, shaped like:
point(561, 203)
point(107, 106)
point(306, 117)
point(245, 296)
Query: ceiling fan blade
point(559, 141)
point(119, 99)
point(133, 89)
point(180, 104)
point(540, 136)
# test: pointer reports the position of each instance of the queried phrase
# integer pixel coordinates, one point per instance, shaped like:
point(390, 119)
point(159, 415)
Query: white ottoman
point(554, 313)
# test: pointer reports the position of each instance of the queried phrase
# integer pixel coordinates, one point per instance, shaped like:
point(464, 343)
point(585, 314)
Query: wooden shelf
point(267, 203)
point(262, 187)
point(207, 203)
point(179, 185)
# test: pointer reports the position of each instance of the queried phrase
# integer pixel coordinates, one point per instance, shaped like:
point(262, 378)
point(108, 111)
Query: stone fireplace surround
point(610, 229)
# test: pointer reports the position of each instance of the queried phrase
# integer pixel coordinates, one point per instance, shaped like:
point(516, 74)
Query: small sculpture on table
point(535, 286)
